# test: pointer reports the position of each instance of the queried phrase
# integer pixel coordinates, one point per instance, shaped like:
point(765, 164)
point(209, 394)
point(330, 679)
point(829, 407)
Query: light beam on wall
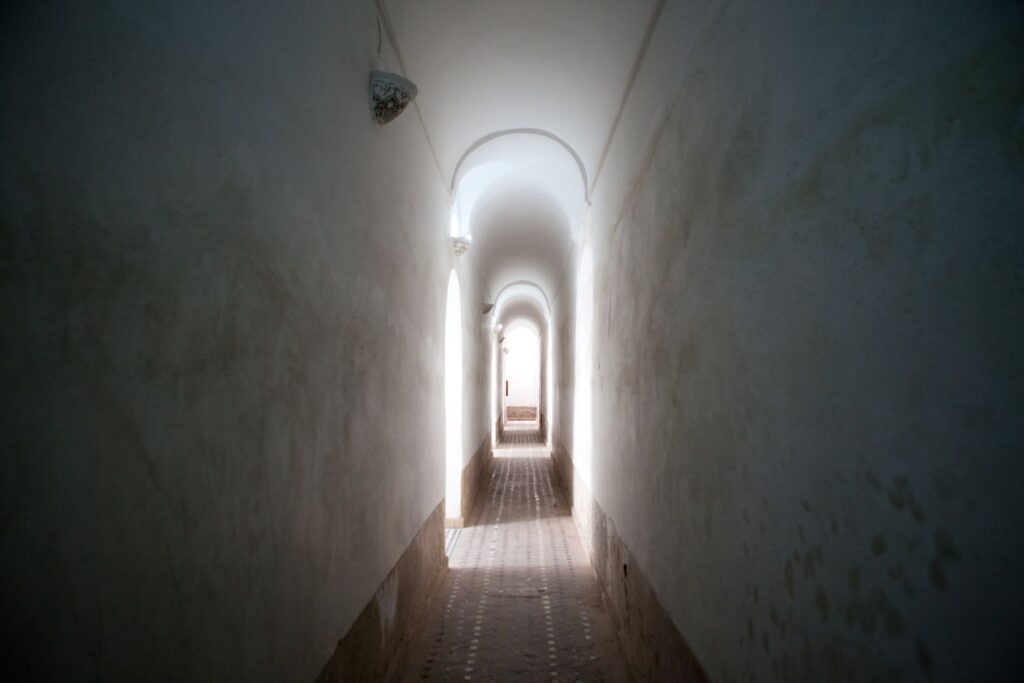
point(549, 400)
point(453, 399)
point(582, 422)
point(494, 387)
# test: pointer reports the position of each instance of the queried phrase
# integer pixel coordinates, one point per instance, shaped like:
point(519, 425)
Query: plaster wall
point(563, 317)
point(222, 290)
point(807, 333)
point(476, 379)
point(476, 351)
point(543, 414)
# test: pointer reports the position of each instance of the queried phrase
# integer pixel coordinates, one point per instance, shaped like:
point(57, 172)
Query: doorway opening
point(520, 381)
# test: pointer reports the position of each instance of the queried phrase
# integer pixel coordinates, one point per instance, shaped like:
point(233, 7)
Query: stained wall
point(223, 294)
point(807, 332)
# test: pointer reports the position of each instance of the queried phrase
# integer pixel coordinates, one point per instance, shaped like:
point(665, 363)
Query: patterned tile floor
point(523, 436)
point(520, 601)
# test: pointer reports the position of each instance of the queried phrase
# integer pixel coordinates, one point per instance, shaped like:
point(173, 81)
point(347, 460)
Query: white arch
point(538, 162)
point(521, 289)
point(490, 137)
point(516, 323)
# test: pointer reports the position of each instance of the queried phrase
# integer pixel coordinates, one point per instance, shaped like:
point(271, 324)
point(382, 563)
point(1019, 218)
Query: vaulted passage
point(512, 340)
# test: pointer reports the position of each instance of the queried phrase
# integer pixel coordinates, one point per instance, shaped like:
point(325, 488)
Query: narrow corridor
point(520, 601)
point(736, 285)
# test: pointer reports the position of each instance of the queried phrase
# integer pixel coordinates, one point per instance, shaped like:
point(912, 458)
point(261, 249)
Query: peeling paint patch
point(924, 660)
point(812, 559)
point(821, 600)
point(878, 544)
point(945, 553)
point(901, 496)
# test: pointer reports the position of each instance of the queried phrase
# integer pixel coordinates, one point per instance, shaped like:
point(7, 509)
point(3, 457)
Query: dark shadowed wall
point(223, 293)
point(807, 337)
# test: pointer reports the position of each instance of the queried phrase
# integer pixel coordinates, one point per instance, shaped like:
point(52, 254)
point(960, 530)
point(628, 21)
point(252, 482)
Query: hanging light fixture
point(390, 94)
point(462, 244)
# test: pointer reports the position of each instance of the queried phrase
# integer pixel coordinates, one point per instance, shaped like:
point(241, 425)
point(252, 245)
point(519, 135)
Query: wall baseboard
point(650, 641)
point(474, 474)
point(499, 430)
point(383, 633)
point(387, 627)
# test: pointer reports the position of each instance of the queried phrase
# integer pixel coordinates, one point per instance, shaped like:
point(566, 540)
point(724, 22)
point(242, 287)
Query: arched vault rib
point(490, 137)
point(521, 290)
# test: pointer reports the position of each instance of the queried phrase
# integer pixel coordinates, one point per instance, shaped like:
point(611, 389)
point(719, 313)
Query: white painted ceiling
point(484, 66)
point(522, 309)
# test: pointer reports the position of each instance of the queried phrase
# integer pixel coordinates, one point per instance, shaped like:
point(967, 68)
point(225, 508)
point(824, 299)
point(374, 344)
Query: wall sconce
point(462, 244)
point(390, 94)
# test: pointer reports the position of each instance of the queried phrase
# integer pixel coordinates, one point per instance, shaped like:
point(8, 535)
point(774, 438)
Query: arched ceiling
point(520, 235)
point(486, 67)
point(519, 296)
point(522, 309)
point(521, 195)
point(519, 161)
point(489, 65)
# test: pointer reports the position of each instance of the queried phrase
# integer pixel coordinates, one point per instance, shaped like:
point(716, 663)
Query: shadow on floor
point(505, 470)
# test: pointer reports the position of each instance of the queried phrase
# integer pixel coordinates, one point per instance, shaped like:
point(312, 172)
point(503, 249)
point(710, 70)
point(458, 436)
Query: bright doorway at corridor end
point(520, 375)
